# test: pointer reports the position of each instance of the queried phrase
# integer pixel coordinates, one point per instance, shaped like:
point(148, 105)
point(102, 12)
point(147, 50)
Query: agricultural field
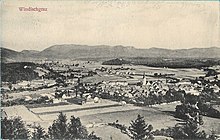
point(96, 116)
point(32, 94)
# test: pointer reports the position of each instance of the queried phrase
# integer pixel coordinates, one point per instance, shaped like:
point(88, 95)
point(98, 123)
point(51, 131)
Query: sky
point(142, 24)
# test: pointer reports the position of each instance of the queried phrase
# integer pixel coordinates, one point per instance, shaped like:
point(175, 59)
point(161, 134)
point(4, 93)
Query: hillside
point(29, 52)
point(12, 72)
point(73, 51)
point(116, 61)
point(82, 51)
point(8, 54)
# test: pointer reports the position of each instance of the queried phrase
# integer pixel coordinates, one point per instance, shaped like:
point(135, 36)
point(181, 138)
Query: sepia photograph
point(110, 69)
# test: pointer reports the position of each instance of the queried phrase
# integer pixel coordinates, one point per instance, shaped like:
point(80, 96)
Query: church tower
point(144, 80)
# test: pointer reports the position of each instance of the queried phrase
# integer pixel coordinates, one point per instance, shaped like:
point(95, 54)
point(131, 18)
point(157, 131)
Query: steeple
point(144, 80)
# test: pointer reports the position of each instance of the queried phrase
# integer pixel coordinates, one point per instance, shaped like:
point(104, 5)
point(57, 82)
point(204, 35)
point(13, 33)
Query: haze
point(173, 25)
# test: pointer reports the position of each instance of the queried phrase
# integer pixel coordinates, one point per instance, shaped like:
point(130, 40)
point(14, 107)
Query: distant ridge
point(30, 52)
point(74, 51)
point(7, 54)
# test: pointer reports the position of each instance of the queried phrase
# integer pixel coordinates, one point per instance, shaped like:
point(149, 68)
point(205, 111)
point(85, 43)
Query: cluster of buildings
point(128, 83)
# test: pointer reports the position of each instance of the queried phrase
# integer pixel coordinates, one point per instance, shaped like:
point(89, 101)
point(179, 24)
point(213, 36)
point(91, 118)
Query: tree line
point(14, 128)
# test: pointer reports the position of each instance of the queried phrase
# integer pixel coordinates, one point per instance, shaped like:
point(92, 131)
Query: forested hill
point(12, 72)
point(73, 51)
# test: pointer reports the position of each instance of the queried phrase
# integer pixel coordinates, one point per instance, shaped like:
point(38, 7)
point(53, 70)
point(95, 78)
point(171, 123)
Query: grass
point(98, 78)
point(159, 116)
point(45, 105)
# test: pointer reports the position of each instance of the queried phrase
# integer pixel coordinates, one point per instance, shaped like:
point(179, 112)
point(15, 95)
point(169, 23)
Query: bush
point(39, 133)
point(189, 130)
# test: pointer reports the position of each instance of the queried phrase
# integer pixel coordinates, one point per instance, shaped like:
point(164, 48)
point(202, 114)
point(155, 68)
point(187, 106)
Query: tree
point(13, 129)
point(60, 81)
point(213, 135)
point(61, 130)
point(92, 136)
point(58, 130)
point(76, 130)
point(10, 86)
point(139, 130)
point(189, 130)
point(39, 133)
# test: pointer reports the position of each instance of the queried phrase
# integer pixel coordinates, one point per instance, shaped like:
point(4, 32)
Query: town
point(101, 94)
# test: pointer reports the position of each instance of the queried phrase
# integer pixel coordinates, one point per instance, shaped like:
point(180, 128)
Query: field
point(32, 94)
point(138, 70)
point(179, 72)
point(96, 116)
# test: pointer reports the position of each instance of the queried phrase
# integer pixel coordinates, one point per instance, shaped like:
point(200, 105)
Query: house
point(115, 83)
point(192, 91)
point(28, 98)
point(3, 114)
point(216, 88)
point(55, 101)
point(184, 82)
point(23, 83)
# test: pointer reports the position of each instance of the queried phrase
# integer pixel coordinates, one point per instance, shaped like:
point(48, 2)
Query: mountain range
point(73, 51)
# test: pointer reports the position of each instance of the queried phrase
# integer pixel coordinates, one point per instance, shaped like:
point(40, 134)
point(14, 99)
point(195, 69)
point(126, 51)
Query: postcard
point(110, 70)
